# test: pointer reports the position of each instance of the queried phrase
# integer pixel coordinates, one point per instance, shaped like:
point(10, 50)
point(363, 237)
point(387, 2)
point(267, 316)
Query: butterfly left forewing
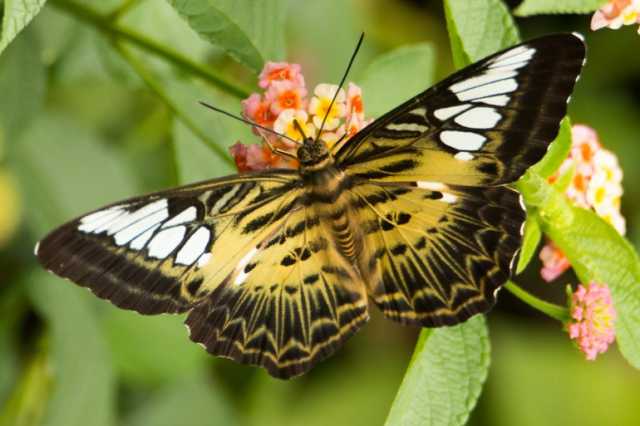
point(156, 253)
point(484, 125)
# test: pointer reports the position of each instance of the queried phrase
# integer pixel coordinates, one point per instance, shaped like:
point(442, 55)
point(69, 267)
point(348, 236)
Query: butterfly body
point(414, 213)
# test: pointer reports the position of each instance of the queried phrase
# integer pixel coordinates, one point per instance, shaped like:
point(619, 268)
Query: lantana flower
point(283, 103)
point(554, 262)
point(281, 71)
point(283, 95)
point(319, 106)
point(615, 14)
point(592, 319)
point(596, 184)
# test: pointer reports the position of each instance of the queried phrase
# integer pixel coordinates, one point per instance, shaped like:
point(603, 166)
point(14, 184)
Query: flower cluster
point(596, 184)
point(592, 319)
point(283, 103)
point(617, 13)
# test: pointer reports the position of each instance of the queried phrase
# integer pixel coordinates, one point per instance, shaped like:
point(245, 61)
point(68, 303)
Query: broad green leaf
point(543, 7)
point(557, 152)
point(151, 350)
point(478, 28)
point(17, 15)
point(192, 401)
point(396, 76)
point(445, 377)
point(22, 86)
point(596, 252)
point(83, 386)
point(252, 32)
point(530, 240)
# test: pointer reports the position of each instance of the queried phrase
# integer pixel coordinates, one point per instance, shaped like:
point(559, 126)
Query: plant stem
point(119, 32)
point(122, 10)
point(155, 87)
point(554, 311)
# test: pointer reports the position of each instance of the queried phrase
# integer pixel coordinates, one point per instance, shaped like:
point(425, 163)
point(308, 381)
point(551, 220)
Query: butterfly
point(415, 212)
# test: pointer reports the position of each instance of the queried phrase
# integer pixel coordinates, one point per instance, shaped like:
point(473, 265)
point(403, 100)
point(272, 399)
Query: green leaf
point(151, 350)
point(17, 15)
point(478, 28)
point(396, 76)
point(557, 152)
point(252, 32)
point(530, 240)
point(83, 382)
point(195, 160)
point(542, 7)
point(28, 400)
point(22, 85)
point(596, 252)
point(193, 401)
point(64, 171)
point(445, 377)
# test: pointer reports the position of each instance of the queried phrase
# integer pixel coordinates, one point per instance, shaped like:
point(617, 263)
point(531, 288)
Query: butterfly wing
point(484, 125)
point(436, 255)
point(240, 254)
point(439, 162)
point(290, 302)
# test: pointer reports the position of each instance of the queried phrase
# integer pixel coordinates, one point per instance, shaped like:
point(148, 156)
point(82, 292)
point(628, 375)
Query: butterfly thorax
point(313, 156)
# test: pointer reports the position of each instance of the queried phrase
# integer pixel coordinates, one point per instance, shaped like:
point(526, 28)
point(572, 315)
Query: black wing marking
point(484, 125)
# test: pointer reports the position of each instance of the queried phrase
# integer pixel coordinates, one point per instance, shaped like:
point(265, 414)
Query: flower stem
point(554, 311)
point(111, 28)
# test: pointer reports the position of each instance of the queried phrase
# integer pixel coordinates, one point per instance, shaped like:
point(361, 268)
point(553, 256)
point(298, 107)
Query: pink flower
point(285, 95)
point(554, 262)
point(615, 14)
point(355, 107)
point(592, 319)
point(255, 109)
point(283, 103)
point(278, 71)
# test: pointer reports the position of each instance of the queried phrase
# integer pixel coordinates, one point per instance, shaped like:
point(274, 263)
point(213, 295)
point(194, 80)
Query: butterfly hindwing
point(437, 253)
point(484, 125)
point(288, 303)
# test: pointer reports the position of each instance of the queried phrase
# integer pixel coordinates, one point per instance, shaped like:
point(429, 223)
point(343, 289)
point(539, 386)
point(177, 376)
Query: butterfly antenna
point(244, 120)
point(344, 77)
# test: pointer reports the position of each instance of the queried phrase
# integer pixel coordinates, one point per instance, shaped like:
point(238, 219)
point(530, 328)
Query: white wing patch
point(448, 112)
point(462, 141)
point(498, 79)
point(195, 246)
point(464, 156)
point(166, 241)
point(479, 118)
point(499, 100)
point(186, 215)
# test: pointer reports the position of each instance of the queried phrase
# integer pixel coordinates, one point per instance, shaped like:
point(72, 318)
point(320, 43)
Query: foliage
point(85, 353)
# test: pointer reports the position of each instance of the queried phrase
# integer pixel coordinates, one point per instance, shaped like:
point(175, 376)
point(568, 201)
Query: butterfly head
point(313, 155)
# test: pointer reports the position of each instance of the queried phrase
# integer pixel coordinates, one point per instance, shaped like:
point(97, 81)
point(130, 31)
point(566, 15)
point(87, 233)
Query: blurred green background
point(78, 128)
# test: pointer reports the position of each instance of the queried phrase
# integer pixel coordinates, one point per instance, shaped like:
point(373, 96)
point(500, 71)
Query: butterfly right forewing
point(484, 125)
